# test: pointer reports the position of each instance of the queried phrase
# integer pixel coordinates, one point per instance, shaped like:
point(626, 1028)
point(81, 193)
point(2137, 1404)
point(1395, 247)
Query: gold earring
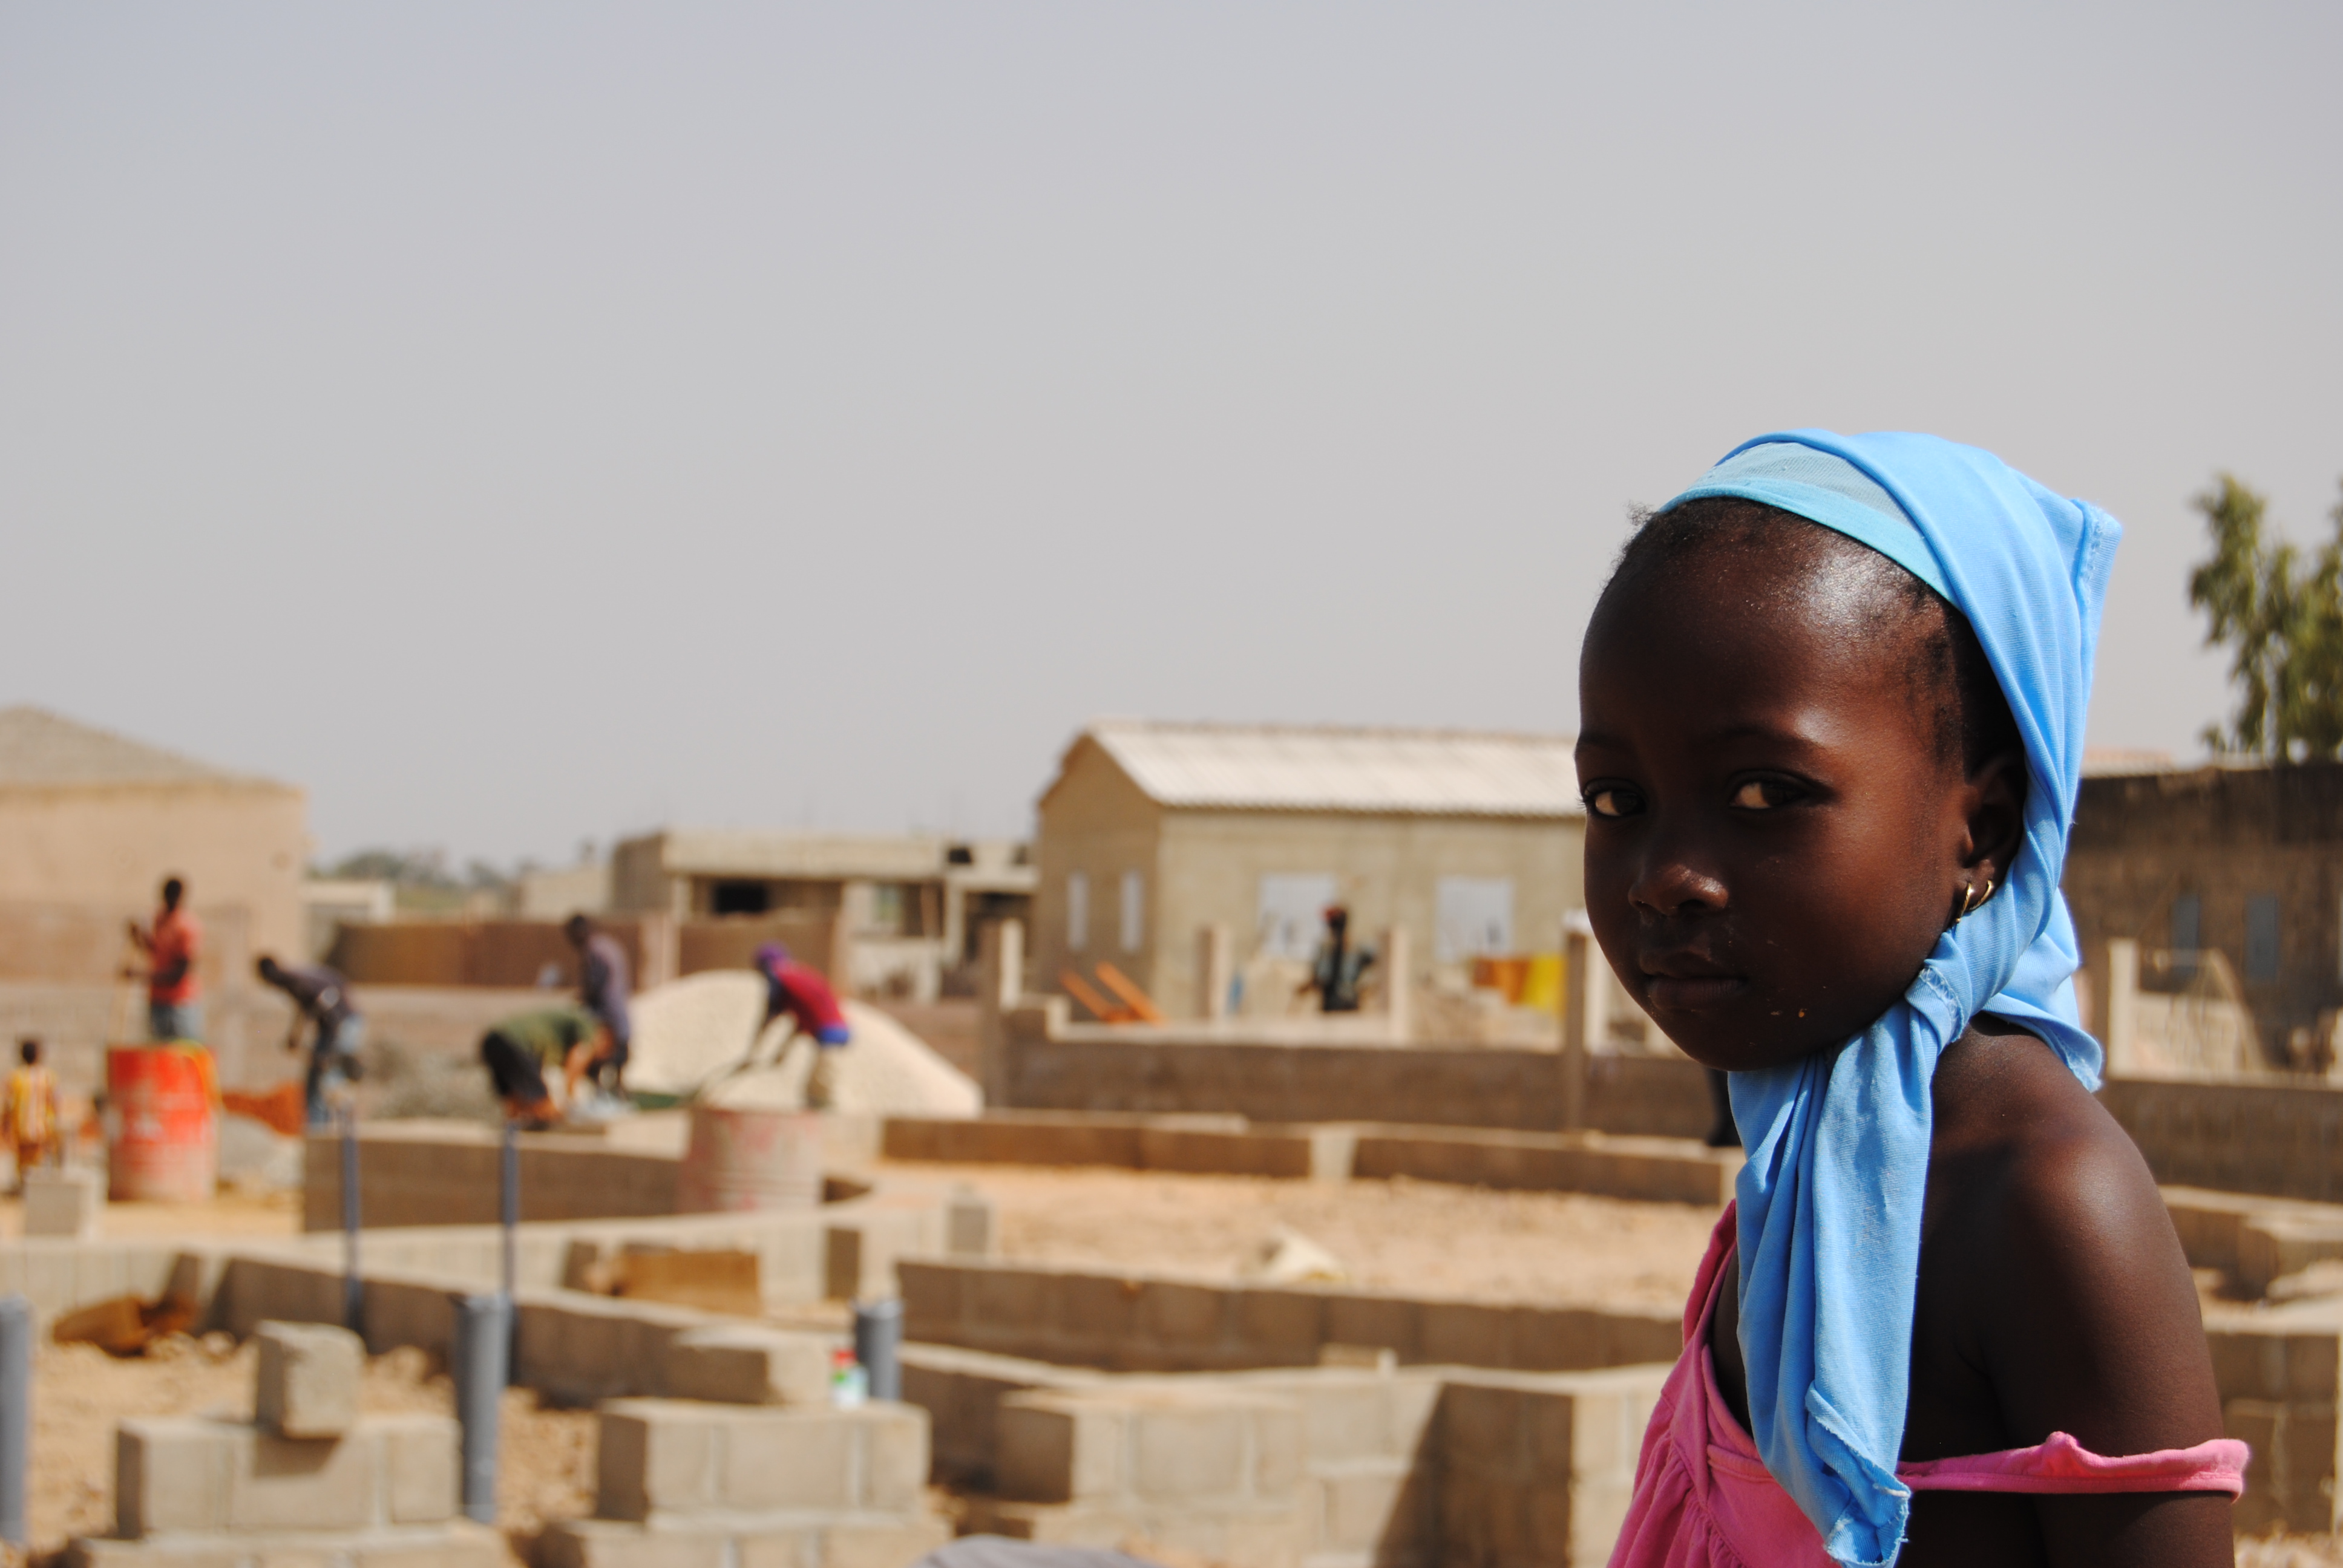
point(1975, 899)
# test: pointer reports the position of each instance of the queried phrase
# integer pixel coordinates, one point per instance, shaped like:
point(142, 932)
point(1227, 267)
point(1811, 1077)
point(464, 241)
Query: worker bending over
point(604, 984)
point(800, 991)
point(521, 1049)
point(29, 1117)
point(321, 1000)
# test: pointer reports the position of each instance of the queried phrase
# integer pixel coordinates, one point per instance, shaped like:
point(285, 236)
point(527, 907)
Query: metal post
point(483, 1331)
point(509, 1208)
point(878, 1339)
point(353, 1287)
point(16, 1414)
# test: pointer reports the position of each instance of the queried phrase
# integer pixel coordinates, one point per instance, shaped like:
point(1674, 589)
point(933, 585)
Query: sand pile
point(692, 1030)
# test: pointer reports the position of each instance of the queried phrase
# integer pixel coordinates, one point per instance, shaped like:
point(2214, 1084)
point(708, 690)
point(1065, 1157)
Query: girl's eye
point(1761, 795)
point(1614, 801)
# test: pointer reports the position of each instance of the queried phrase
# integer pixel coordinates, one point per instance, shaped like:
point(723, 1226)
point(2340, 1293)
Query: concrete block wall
point(2278, 1376)
point(446, 1173)
point(1132, 1322)
point(2277, 1139)
point(193, 1476)
point(1539, 1470)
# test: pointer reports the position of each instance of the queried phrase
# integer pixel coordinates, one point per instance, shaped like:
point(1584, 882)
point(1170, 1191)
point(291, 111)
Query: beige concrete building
point(1152, 833)
point(91, 823)
point(912, 904)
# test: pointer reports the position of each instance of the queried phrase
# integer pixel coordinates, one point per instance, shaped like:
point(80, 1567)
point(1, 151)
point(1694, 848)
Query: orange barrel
point(744, 1160)
point(166, 1143)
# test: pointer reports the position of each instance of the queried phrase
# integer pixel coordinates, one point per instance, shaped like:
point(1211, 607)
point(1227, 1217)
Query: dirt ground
point(1423, 1237)
point(79, 1391)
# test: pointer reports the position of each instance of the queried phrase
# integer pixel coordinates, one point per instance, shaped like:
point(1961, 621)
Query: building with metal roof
point(92, 821)
point(1160, 844)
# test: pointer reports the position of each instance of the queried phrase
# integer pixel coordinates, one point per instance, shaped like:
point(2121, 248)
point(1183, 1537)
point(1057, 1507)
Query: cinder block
point(599, 1544)
point(871, 1545)
point(787, 1459)
point(652, 1454)
point(64, 1202)
point(969, 1225)
point(171, 1473)
point(1186, 1315)
point(464, 1545)
point(895, 1458)
point(420, 1466)
point(1056, 1448)
point(747, 1365)
point(1468, 1334)
point(1368, 1506)
point(308, 1379)
point(1099, 1308)
point(290, 1484)
point(1481, 1431)
point(1389, 1321)
point(1188, 1450)
point(1007, 1298)
point(1282, 1325)
point(1281, 1449)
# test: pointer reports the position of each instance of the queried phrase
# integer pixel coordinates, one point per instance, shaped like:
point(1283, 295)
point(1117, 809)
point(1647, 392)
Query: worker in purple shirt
point(803, 992)
point(605, 982)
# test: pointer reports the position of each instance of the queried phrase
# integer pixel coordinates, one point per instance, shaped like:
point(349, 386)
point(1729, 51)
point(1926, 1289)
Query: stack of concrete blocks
point(308, 1480)
point(64, 1201)
point(2279, 1380)
point(1211, 1467)
point(751, 1467)
point(1326, 1468)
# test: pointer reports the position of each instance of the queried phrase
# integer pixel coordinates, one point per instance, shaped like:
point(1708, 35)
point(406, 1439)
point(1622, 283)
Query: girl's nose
point(1668, 886)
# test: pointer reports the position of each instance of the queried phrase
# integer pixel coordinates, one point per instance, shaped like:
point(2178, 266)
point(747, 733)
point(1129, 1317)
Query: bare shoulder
point(2085, 1314)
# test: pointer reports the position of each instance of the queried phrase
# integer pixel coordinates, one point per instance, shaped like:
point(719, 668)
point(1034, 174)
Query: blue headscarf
point(1838, 1142)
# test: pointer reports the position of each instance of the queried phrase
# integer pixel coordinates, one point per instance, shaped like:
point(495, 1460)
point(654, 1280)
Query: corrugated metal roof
point(43, 749)
point(1294, 768)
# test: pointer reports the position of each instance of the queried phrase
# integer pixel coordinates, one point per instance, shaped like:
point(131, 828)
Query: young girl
point(1831, 708)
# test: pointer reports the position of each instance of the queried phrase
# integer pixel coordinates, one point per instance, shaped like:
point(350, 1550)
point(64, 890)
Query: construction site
point(1108, 1232)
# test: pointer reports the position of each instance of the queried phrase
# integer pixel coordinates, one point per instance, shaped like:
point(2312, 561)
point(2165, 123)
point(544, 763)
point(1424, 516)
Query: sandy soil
point(1421, 1237)
point(79, 1391)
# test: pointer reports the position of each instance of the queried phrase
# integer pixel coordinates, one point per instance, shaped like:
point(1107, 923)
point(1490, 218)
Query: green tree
point(2283, 625)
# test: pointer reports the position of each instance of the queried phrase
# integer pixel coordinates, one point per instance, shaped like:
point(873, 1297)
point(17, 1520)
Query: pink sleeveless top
point(1704, 1499)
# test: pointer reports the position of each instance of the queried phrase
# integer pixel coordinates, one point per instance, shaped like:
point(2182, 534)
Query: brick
point(787, 1459)
point(1282, 1325)
point(969, 1225)
point(171, 1473)
point(64, 1202)
point(1468, 1334)
point(1390, 1322)
point(747, 1365)
point(467, 1545)
point(651, 1456)
point(1281, 1449)
point(1480, 1427)
point(1055, 1448)
point(875, 1545)
point(1365, 1508)
point(895, 1460)
point(308, 1379)
point(291, 1483)
point(1009, 1298)
point(1183, 1455)
point(1094, 1308)
point(420, 1467)
point(1182, 1314)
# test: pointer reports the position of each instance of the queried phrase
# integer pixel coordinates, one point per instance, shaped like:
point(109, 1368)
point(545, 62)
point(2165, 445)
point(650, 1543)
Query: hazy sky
point(520, 423)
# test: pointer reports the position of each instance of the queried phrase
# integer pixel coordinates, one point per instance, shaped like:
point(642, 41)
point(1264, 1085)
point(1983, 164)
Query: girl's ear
point(1997, 819)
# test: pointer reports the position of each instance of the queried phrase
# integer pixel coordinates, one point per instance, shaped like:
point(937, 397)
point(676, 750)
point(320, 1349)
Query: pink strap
point(2062, 1465)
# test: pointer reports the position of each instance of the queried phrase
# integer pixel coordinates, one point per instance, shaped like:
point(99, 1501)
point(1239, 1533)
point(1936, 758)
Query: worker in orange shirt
point(174, 1006)
point(29, 1113)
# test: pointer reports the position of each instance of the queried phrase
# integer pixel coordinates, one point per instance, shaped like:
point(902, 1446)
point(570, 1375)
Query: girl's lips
point(1692, 993)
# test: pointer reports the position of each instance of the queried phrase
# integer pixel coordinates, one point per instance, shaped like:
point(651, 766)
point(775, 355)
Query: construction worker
point(802, 991)
point(321, 998)
point(521, 1049)
point(1336, 970)
point(174, 997)
point(605, 981)
point(28, 1116)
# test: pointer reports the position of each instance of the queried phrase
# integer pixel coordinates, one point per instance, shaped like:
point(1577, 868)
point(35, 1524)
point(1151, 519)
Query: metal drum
point(160, 1106)
point(743, 1160)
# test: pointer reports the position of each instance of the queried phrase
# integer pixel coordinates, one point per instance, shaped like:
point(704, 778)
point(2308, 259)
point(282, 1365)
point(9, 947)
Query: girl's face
point(1773, 842)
